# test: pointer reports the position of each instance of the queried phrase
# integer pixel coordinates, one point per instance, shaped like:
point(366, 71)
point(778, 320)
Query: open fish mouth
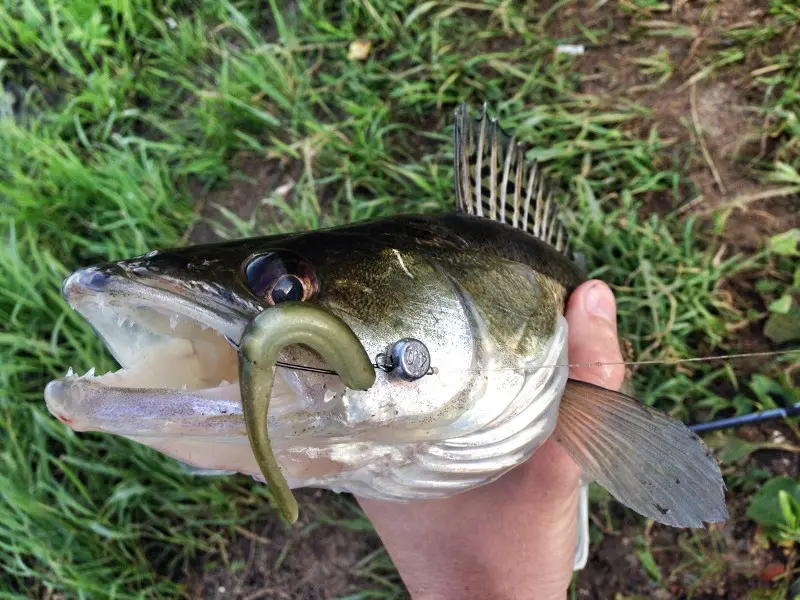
point(180, 373)
point(169, 346)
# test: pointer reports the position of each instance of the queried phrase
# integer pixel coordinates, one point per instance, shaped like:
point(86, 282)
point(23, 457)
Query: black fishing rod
point(748, 419)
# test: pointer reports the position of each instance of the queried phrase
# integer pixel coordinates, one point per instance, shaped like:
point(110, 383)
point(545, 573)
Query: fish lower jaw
point(172, 378)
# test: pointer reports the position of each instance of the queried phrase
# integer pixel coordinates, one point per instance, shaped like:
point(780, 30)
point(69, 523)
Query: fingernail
point(600, 302)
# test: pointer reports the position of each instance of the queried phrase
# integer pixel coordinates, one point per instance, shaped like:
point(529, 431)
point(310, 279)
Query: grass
point(115, 114)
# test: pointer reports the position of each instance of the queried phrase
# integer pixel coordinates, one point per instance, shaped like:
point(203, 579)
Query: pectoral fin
point(649, 461)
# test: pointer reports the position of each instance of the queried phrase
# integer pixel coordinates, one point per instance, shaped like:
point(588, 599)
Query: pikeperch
point(400, 358)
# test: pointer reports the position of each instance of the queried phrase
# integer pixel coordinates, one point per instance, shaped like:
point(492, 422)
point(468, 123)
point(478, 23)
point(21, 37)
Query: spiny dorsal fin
point(511, 188)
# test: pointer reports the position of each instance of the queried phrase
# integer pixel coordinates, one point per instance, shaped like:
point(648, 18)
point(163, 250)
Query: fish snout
point(90, 280)
point(63, 399)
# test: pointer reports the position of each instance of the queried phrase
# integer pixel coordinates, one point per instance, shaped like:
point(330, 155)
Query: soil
point(255, 177)
point(271, 560)
point(719, 112)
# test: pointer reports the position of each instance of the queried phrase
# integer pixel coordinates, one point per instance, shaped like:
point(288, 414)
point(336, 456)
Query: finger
point(592, 318)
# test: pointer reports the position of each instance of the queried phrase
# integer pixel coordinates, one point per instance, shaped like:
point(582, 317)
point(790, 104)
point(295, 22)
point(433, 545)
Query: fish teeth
point(173, 321)
point(120, 320)
point(90, 374)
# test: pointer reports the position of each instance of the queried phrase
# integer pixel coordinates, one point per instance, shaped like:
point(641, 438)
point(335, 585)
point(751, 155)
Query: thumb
point(592, 318)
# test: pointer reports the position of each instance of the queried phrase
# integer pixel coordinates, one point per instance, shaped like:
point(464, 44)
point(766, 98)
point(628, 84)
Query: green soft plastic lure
point(267, 333)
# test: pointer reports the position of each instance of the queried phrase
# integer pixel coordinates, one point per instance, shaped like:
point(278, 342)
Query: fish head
point(173, 319)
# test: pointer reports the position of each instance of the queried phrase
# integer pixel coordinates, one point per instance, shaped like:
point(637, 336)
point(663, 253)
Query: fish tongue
point(649, 461)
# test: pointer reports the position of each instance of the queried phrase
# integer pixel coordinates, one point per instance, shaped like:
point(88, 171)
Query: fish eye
point(287, 288)
point(282, 276)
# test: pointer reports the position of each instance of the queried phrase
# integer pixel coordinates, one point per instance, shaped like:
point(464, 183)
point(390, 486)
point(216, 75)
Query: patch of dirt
point(732, 135)
point(717, 135)
point(255, 177)
point(614, 567)
point(269, 560)
point(573, 18)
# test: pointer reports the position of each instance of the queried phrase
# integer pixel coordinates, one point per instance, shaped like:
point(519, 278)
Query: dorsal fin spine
point(479, 166)
point(546, 219)
point(506, 168)
point(465, 163)
point(529, 195)
point(480, 140)
point(553, 225)
point(493, 173)
point(518, 186)
point(537, 221)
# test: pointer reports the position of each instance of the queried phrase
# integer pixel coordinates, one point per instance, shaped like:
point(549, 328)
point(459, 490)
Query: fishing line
point(666, 361)
point(293, 366)
point(676, 361)
point(388, 362)
point(384, 363)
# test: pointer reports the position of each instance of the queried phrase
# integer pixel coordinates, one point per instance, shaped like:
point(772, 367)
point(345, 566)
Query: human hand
point(515, 537)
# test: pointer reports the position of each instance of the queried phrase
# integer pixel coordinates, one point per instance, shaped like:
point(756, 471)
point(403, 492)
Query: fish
point(401, 358)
